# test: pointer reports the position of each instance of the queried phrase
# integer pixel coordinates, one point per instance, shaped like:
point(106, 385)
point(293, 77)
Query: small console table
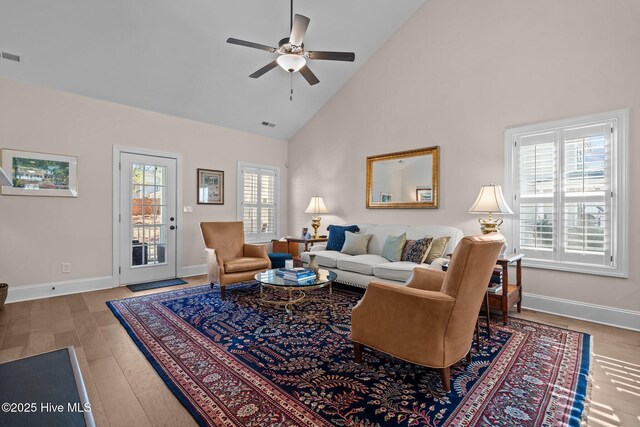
point(296, 257)
point(306, 242)
point(511, 292)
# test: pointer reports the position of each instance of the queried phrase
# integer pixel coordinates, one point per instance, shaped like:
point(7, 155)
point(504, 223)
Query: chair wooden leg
point(488, 310)
point(469, 356)
point(357, 349)
point(478, 335)
point(445, 376)
point(222, 293)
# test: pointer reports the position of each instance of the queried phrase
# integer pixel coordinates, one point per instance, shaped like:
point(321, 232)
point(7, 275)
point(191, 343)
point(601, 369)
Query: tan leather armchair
point(431, 320)
point(229, 259)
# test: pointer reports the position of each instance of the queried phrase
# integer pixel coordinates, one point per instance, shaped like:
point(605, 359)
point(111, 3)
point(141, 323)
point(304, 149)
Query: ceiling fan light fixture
point(291, 62)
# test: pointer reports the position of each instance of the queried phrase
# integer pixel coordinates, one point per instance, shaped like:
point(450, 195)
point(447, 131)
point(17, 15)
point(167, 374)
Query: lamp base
point(315, 223)
point(490, 225)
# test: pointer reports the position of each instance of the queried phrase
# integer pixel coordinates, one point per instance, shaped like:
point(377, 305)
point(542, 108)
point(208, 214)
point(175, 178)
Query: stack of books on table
point(297, 274)
point(495, 284)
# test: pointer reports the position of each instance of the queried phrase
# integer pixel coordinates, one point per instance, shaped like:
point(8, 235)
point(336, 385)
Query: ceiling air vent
point(10, 56)
point(268, 124)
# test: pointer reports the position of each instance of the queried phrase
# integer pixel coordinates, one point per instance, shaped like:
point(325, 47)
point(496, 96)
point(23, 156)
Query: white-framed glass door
point(147, 218)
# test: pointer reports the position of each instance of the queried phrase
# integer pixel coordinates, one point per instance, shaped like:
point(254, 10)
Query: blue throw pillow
point(336, 236)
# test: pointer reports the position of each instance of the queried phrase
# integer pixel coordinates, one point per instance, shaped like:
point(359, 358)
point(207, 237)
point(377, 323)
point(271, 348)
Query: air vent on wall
point(10, 56)
point(268, 124)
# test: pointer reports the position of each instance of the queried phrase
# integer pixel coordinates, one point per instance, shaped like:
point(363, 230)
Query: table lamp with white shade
point(316, 207)
point(490, 200)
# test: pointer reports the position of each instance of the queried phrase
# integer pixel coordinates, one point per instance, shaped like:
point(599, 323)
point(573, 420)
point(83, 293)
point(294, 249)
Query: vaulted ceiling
point(172, 57)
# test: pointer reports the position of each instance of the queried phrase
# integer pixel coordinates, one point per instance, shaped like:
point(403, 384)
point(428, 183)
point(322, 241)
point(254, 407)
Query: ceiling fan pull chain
point(291, 95)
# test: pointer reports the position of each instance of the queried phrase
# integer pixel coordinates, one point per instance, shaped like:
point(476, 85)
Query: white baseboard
point(192, 270)
point(618, 317)
point(52, 289)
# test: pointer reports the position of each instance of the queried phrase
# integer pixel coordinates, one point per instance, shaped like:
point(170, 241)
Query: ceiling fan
point(292, 56)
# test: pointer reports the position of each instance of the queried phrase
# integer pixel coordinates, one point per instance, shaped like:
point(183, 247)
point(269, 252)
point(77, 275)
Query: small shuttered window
point(258, 206)
point(567, 183)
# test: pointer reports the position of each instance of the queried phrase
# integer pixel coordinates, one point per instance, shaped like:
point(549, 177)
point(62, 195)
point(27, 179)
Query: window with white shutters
point(258, 201)
point(567, 184)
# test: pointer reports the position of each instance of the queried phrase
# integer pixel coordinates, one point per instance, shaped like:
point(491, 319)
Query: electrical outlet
point(187, 209)
point(66, 267)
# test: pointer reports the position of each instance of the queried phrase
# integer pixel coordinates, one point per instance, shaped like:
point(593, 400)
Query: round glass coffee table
point(295, 292)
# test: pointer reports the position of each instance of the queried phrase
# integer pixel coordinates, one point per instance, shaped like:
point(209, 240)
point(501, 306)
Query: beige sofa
point(359, 270)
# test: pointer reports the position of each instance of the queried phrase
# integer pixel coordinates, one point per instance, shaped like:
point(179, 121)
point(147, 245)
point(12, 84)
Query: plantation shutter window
point(566, 181)
point(258, 205)
point(587, 194)
point(537, 173)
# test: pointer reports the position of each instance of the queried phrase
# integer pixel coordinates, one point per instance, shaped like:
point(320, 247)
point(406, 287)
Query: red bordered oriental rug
point(235, 363)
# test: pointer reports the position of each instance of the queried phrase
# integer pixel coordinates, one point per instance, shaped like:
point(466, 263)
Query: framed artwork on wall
point(424, 194)
point(40, 174)
point(210, 187)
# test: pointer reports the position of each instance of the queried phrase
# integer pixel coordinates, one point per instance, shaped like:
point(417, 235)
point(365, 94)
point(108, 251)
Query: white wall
point(456, 75)
point(39, 233)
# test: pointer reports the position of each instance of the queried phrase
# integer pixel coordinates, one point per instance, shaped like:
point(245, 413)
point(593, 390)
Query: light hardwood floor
point(124, 390)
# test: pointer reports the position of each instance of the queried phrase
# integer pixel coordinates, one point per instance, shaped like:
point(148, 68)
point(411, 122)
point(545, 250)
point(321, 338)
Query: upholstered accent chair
point(229, 259)
point(431, 320)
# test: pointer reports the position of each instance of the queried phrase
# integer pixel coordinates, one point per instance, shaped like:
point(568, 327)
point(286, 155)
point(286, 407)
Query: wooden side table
point(297, 262)
point(511, 292)
point(285, 247)
point(306, 242)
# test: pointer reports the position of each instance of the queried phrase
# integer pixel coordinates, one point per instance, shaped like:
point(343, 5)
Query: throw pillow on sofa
point(336, 236)
point(393, 245)
point(355, 244)
point(437, 249)
point(416, 250)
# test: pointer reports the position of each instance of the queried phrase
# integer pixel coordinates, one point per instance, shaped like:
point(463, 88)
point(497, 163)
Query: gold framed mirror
point(406, 179)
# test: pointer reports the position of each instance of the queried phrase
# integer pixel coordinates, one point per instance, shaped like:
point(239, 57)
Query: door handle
point(173, 227)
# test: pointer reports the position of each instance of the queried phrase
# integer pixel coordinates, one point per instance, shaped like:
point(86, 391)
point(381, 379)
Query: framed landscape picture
point(210, 187)
point(40, 174)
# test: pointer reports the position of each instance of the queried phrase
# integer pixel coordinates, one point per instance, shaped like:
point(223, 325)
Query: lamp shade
point(490, 200)
point(4, 178)
point(316, 206)
point(291, 62)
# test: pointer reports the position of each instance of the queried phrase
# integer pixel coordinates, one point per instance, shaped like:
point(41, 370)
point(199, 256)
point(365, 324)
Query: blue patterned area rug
point(234, 362)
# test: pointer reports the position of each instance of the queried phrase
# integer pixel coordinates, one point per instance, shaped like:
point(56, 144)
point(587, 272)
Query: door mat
point(155, 284)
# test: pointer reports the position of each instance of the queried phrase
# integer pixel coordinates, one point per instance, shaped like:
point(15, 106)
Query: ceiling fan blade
point(332, 56)
point(251, 44)
point(300, 24)
point(270, 66)
point(309, 76)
